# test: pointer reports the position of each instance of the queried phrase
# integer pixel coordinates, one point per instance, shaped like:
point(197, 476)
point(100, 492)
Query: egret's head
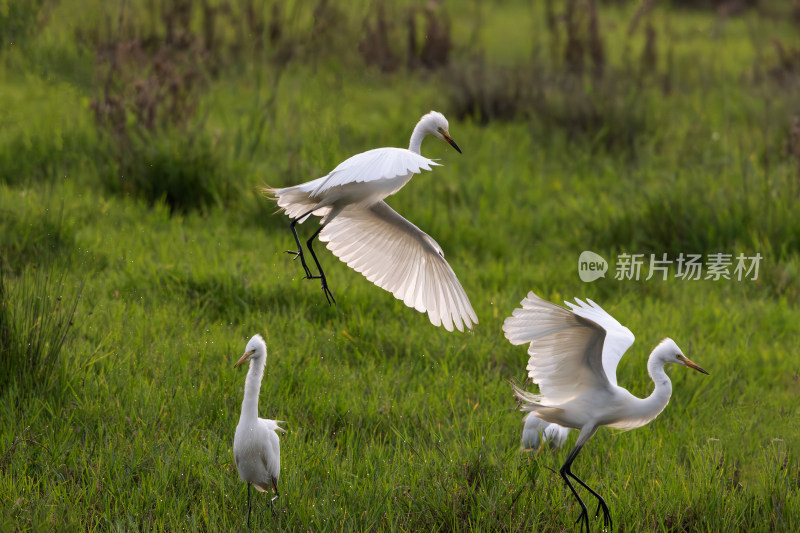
point(670, 353)
point(436, 124)
point(256, 347)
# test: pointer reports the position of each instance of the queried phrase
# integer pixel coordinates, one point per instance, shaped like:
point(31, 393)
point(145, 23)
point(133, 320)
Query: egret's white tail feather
point(528, 400)
point(273, 425)
point(295, 201)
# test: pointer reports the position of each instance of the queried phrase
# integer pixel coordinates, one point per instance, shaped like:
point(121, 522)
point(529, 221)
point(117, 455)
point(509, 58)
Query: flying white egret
point(256, 447)
point(536, 432)
point(372, 238)
point(573, 358)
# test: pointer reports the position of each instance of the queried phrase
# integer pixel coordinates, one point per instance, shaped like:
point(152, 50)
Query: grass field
point(394, 425)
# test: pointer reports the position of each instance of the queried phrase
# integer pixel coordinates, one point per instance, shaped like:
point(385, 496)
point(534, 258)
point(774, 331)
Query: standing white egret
point(573, 358)
point(536, 432)
point(256, 447)
point(368, 235)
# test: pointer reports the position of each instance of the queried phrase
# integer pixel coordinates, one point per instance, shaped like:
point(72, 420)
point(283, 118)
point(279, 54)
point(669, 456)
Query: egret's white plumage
point(256, 447)
point(371, 238)
point(536, 432)
point(573, 357)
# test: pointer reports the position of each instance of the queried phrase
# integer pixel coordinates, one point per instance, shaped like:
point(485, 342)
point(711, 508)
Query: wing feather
point(449, 298)
point(407, 287)
point(397, 256)
point(372, 165)
point(618, 337)
point(568, 351)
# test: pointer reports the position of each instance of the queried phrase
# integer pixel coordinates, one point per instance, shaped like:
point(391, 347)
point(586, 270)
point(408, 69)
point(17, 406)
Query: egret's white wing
point(270, 451)
point(397, 256)
point(566, 349)
point(618, 337)
point(380, 163)
point(271, 460)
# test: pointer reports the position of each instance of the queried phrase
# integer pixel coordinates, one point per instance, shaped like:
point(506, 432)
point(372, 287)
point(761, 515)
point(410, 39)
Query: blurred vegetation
point(34, 322)
point(18, 20)
point(136, 134)
point(609, 81)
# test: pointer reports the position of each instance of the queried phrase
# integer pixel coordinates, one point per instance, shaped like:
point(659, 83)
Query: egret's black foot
point(272, 506)
point(328, 294)
point(583, 519)
point(606, 515)
point(327, 291)
point(299, 254)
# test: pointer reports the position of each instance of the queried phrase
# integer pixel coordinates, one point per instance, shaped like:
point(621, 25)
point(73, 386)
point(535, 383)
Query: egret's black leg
point(328, 293)
point(248, 505)
point(601, 503)
point(277, 495)
point(299, 252)
point(566, 473)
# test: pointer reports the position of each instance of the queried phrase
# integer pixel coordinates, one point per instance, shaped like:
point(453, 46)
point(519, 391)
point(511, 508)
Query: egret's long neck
point(252, 385)
point(658, 400)
point(419, 133)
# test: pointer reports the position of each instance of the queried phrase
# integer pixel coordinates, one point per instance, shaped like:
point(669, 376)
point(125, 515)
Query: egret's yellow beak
point(244, 358)
point(450, 140)
point(693, 365)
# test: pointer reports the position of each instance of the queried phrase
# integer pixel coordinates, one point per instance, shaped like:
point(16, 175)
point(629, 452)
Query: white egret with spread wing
point(573, 357)
point(256, 446)
point(372, 238)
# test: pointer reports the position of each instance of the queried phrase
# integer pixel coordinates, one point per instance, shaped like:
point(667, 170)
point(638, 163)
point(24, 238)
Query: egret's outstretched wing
point(566, 348)
point(618, 337)
point(397, 256)
point(372, 165)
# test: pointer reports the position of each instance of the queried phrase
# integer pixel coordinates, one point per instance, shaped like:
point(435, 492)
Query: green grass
point(395, 424)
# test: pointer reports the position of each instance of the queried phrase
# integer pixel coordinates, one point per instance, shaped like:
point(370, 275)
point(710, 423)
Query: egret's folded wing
point(380, 163)
point(566, 350)
point(618, 337)
point(397, 256)
point(271, 465)
point(270, 452)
